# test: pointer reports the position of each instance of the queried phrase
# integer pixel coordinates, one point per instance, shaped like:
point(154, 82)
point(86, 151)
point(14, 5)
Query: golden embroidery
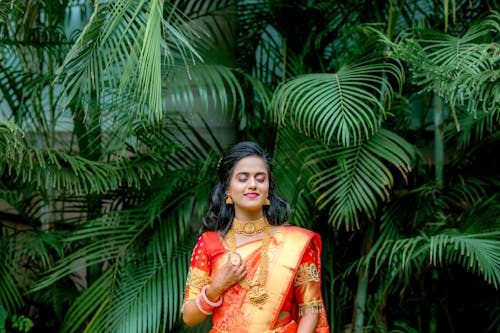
point(307, 272)
point(316, 307)
point(196, 278)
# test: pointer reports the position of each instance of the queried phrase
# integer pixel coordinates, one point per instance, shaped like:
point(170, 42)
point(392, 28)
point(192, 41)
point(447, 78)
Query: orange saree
point(293, 282)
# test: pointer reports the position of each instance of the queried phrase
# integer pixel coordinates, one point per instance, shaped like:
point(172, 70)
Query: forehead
point(250, 164)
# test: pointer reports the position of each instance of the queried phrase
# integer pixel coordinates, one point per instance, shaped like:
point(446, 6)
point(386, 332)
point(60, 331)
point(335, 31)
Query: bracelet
point(205, 298)
point(204, 304)
point(202, 307)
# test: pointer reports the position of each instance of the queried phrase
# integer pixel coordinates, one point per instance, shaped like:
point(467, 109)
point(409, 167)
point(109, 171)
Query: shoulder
point(211, 241)
point(209, 235)
point(293, 229)
point(293, 233)
point(209, 238)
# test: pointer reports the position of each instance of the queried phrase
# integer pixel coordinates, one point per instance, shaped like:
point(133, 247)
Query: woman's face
point(249, 187)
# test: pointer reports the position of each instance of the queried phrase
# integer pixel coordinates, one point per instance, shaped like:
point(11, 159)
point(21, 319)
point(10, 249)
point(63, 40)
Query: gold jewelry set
point(257, 294)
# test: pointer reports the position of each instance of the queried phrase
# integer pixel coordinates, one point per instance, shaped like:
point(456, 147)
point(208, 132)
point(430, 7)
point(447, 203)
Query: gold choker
point(249, 228)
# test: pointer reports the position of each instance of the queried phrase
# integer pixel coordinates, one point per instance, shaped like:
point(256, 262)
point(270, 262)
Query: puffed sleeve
point(199, 270)
point(307, 282)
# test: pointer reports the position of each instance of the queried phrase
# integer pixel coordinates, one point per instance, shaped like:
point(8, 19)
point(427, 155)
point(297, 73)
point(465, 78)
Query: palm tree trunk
point(363, 278)
point(438, 140)
point(433, 320)
point(439, 171)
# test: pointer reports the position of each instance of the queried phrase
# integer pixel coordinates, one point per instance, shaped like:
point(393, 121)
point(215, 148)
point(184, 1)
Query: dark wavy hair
point(220, 215)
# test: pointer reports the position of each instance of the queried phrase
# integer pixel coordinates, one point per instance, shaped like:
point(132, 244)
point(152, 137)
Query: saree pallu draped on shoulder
point(237, 314)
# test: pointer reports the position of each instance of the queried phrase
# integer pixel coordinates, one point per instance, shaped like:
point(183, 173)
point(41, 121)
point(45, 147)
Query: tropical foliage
point(383, 120)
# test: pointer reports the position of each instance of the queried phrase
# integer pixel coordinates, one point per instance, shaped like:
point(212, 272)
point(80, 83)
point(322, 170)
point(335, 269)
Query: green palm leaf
point(116, 231)
point(48, 168)
point(343, 107)
point(476, 127)
point(356, 179)
point(462, 70)
point(290, 153)
point(147, 298)
point(10, 293)
point(138, 301)
point(197, 89)
point(470, 239)
point(130, 54)
point(144, 249)
point(142, 290)
point(90, 303)
point(476, 252)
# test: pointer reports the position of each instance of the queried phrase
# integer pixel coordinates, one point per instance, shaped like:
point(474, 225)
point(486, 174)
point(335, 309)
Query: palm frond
point(150, 54)
point(38, 93)
point(5, 7)
point(11, 86)
point(290, 153)
point(115, 38)
point(474, 128)
point(466, 192)
point(462, 70)
point(39, 248)
point(133, 279)
point(343, 107)
point(89, 303)
point(356, 179)
point(471, 243)
point(261, 90)
point(116, 230)
point(475, 252)
point(148, 297)
point(10, 294)
point(145, 290)
point(270, 47)
point(50, 168)
point(196, 89)
point(144, 245)
point(137, 304)
point(215, 22)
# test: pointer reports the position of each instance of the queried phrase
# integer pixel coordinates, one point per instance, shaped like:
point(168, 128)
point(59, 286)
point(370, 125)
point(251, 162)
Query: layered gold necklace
point(257, 294)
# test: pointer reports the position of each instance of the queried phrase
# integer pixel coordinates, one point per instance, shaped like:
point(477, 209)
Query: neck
point(248, 214)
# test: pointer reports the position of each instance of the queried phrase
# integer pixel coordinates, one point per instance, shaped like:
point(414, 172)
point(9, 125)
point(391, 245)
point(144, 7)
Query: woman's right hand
point(229, 274)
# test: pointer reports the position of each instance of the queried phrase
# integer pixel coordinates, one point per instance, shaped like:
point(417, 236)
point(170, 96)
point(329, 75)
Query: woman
point(250, 270)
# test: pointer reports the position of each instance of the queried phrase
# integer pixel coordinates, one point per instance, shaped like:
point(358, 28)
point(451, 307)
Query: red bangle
point(204, 304)
point(204, 308)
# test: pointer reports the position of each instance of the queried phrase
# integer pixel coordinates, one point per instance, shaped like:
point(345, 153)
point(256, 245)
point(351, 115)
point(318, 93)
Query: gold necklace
point(257, 294)
point(249, 228)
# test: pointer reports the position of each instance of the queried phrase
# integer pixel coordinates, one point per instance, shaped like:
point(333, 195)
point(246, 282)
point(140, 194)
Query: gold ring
point(234, 258)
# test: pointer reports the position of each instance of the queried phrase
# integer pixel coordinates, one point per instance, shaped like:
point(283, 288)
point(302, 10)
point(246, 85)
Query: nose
point(251, 183)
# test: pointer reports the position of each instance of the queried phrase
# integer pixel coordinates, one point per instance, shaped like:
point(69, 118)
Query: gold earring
point(229, 200)
point(267, 202)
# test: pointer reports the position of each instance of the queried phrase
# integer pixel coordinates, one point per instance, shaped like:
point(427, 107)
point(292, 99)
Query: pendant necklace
point(257, 293)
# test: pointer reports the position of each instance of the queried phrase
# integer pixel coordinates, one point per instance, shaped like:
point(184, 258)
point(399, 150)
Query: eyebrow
point(245, 173)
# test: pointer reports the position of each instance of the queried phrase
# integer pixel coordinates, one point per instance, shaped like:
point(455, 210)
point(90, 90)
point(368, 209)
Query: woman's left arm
point(307, 285)
point(308, 322)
